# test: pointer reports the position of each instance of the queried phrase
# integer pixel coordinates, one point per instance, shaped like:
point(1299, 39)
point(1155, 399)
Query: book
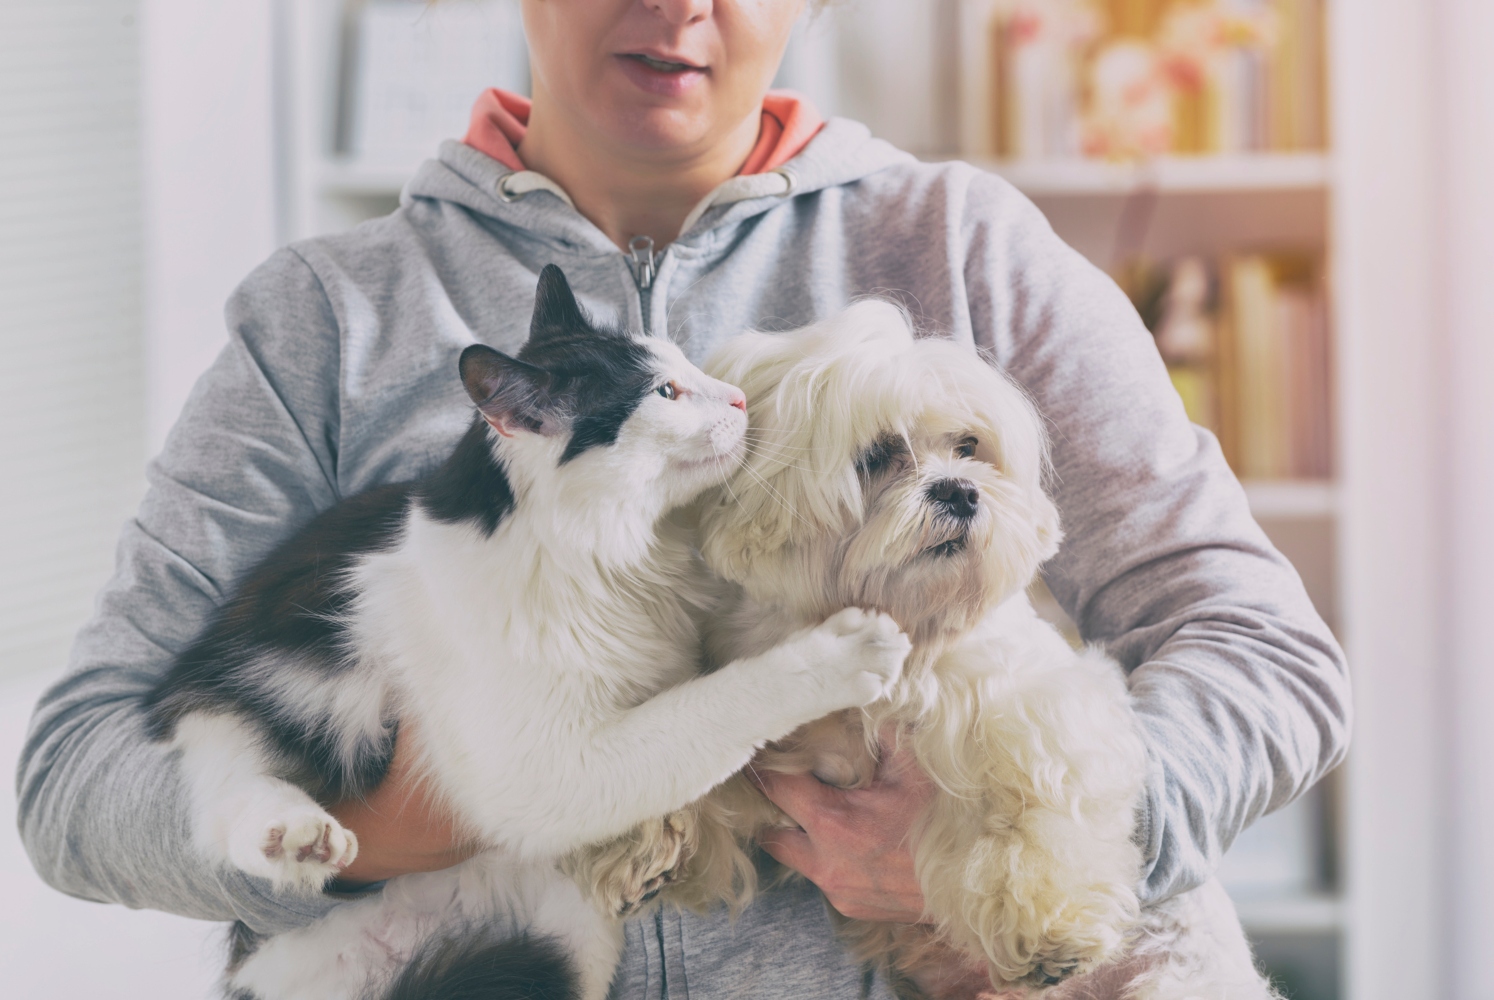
point(1131, 79)
point(1246, 344)
point(1276, 315)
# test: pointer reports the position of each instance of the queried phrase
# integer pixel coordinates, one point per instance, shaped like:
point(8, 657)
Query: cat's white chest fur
point(501, 665)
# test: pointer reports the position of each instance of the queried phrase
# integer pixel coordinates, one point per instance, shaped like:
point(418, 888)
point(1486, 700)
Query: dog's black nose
point(958, 497)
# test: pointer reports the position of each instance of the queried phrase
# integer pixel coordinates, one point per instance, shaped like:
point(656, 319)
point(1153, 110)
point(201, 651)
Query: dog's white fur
point(548, 676)
point(1025, 856)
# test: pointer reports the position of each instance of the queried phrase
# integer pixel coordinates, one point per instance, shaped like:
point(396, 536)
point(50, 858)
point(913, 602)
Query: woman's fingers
point(792, 848)
point(852, 844)
point(803, 798)
point(401, 828)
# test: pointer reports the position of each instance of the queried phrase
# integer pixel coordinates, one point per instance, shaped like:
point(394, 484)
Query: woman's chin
point(652, 128)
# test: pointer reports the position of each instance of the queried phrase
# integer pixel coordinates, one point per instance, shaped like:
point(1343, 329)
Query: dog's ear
point(1049, 534)
point(798, 481)
point(807, 417)
point(511, 395)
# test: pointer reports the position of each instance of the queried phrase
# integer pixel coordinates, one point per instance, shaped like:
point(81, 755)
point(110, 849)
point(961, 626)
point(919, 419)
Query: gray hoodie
point(340, 375)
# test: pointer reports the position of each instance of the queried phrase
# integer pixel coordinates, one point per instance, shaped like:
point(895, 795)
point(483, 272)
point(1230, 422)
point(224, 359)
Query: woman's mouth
point(663, 65)
point(664, 77)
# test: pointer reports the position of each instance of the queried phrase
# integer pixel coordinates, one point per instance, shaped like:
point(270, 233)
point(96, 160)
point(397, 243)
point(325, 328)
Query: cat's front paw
point(301, 849)
point(857, 656)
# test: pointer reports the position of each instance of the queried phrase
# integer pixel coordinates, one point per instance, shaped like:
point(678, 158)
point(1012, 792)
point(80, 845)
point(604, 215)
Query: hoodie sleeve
point(1242, 691)
point(102, 810)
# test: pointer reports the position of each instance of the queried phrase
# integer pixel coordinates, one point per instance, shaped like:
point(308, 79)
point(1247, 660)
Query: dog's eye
point(966, 448)
point(877, 459)
point(668, 390)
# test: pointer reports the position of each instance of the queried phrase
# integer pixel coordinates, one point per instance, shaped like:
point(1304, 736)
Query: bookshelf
point(1335, 932)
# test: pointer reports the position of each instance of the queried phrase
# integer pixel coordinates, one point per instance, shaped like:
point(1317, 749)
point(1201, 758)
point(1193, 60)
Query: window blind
point(71, 382)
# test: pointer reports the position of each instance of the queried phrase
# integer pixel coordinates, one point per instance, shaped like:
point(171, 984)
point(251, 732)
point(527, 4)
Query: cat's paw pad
point(304, 850)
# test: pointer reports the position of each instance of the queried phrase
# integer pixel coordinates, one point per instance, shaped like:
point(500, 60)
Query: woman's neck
point(626, 192)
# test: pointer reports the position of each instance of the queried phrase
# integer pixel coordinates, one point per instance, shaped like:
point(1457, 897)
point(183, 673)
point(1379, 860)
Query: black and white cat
point(526, 618)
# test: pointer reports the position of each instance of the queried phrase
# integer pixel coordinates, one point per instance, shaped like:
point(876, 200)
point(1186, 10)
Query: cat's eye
point(668, 390)
point(966, 447)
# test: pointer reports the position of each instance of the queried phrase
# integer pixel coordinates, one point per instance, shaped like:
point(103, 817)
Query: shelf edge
point(1321, 914)
point(1265, 172)
point(1292, 498)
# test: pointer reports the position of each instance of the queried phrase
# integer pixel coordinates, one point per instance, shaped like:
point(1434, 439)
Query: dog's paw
point(1054, 962)
point(303, 848)
point(672, 843)
point(625, 874)
point(859, 655)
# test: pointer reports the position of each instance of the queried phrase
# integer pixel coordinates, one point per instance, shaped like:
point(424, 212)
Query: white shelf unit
point(1168, 174)
point(1366, 541)
point(325, 190)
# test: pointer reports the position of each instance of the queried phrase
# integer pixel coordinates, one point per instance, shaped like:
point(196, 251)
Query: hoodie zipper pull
point(642, 250)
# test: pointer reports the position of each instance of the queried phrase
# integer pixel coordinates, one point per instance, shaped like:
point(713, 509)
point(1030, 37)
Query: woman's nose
point(681, 12)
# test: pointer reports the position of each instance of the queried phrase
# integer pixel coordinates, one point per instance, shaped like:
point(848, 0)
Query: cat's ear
point(511, 394)
point(556, 310)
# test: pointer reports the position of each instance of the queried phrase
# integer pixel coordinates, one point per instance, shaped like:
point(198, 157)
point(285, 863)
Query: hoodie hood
point(500, 119)
point(842, 152)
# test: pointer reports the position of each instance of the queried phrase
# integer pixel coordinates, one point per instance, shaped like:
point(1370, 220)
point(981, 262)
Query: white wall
point(1465, 31)
point(210, 167)
point(1414, 238)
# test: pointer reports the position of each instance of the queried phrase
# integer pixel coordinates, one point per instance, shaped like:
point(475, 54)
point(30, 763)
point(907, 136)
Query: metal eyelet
point(788, 176)
point(504, 194)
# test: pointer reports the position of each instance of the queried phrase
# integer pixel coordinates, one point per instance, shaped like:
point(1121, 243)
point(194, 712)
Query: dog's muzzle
point(957, 498)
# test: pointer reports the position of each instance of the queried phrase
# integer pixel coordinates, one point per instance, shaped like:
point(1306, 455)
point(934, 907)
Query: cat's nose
point(959, 497)
point(737, 399)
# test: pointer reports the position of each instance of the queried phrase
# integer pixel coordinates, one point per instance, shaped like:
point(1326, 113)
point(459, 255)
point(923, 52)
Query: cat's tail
point(478, 967)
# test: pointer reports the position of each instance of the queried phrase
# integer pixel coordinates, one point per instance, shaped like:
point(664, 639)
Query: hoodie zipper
point(641, 251)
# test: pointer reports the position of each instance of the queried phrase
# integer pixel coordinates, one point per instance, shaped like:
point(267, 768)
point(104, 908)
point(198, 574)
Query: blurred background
point(1295, 193)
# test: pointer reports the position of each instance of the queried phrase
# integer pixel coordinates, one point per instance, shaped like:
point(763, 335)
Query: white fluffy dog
point(906, 475)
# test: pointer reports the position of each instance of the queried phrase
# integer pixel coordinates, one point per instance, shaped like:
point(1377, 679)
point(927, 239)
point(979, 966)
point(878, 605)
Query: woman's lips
point(659, 76)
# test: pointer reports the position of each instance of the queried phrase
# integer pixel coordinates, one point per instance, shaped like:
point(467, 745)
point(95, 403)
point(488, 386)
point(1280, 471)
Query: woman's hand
point(853, 843)
point(400, 827)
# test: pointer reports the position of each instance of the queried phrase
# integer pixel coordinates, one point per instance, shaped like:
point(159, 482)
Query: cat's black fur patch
point(478, 968)
point(242, 942)
point(600, 374)
point(470, 486)
point(292, 604)
point(290, 613)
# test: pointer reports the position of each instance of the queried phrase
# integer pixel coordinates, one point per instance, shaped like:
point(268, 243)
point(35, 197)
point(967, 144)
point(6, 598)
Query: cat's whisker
point(777, 497)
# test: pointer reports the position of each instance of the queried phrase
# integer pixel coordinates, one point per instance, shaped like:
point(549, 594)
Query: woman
point(682, 199)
